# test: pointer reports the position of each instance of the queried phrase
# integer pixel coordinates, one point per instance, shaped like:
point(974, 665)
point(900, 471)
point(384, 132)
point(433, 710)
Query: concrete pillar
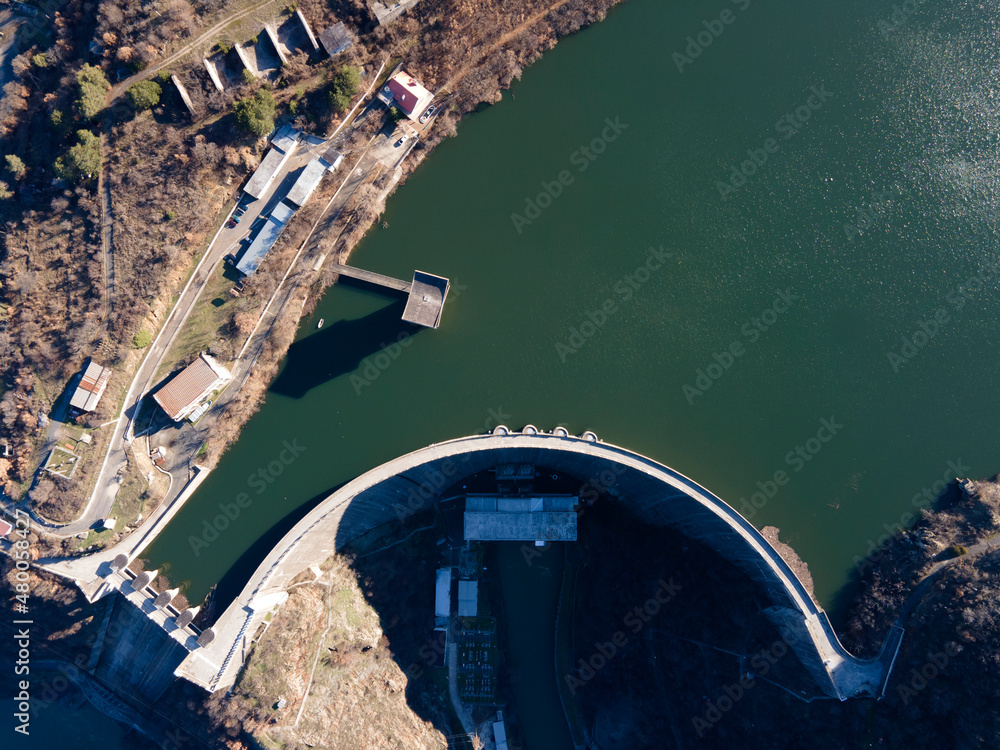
point(141, 581)
point(184, 618)
point(164, 598)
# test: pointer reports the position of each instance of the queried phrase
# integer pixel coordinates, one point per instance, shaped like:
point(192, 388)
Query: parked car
point(427, 114)
point(240, 210)
point(400, 142)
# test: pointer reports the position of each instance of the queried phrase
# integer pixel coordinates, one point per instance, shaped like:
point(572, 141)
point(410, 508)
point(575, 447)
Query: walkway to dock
point(375, 278)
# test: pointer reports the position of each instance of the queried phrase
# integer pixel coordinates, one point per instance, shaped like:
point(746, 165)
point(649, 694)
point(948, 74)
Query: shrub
point(143, 95)
point(83, 160)
point(395, 114)
point(225, 48)
point(5, 191)
point(170, 215)
point(255, 114)
point(92, 86)
point(253, 40)
point(15, 167)
point(345, 85)
point(142, 339)
point(39, 60)
point(956, 550)
point(163, 76)
point(248, 77)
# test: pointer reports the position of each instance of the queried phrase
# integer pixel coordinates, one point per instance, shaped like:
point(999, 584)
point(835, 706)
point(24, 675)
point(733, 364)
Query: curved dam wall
point(657, 494)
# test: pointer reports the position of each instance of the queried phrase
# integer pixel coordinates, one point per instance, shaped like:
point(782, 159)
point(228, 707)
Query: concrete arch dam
point(657, 494)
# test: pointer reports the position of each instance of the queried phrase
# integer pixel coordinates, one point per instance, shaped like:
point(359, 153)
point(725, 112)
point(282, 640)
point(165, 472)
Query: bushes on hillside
point(83, 160)
point(143, 95)
point(92, 88)
point(345, 86)
point(255, 114)
point(15, 166)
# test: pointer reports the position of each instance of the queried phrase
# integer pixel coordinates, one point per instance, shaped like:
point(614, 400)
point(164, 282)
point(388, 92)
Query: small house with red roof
point(407, 93)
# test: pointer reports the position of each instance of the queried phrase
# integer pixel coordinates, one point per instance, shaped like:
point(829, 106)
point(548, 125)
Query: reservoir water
point(774, 270)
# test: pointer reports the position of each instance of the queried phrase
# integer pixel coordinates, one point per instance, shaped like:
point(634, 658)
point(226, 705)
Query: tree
point(142, 339)
point(5, 191)
point(143, 95)
point(395, 114)
point(255, 114)
point(345, 85)
point(92, 86)
point(15, 167)
point(82, 160)
point(39, 60)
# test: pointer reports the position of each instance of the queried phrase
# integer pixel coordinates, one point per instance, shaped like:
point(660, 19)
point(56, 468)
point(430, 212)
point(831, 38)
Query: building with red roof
point(191, 386)
point(407, 93)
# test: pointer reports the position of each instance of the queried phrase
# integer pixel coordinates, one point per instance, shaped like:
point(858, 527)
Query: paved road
point(226, 240)
point(115, 463)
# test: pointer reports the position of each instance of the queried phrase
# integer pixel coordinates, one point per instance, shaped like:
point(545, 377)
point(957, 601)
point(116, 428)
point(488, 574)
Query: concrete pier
point(213, 73)
point(427, 293)
point(272, 35)
point(184, 96)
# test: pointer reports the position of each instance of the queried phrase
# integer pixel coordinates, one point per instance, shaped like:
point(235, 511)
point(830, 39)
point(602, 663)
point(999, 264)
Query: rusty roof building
point(191, 386)
point(91, 387)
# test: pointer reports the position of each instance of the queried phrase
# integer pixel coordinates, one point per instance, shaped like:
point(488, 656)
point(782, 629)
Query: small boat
point(320, 324)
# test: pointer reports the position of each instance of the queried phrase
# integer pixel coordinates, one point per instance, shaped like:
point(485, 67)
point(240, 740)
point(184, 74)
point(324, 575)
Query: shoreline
point(343, 251)
point(309, 289)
